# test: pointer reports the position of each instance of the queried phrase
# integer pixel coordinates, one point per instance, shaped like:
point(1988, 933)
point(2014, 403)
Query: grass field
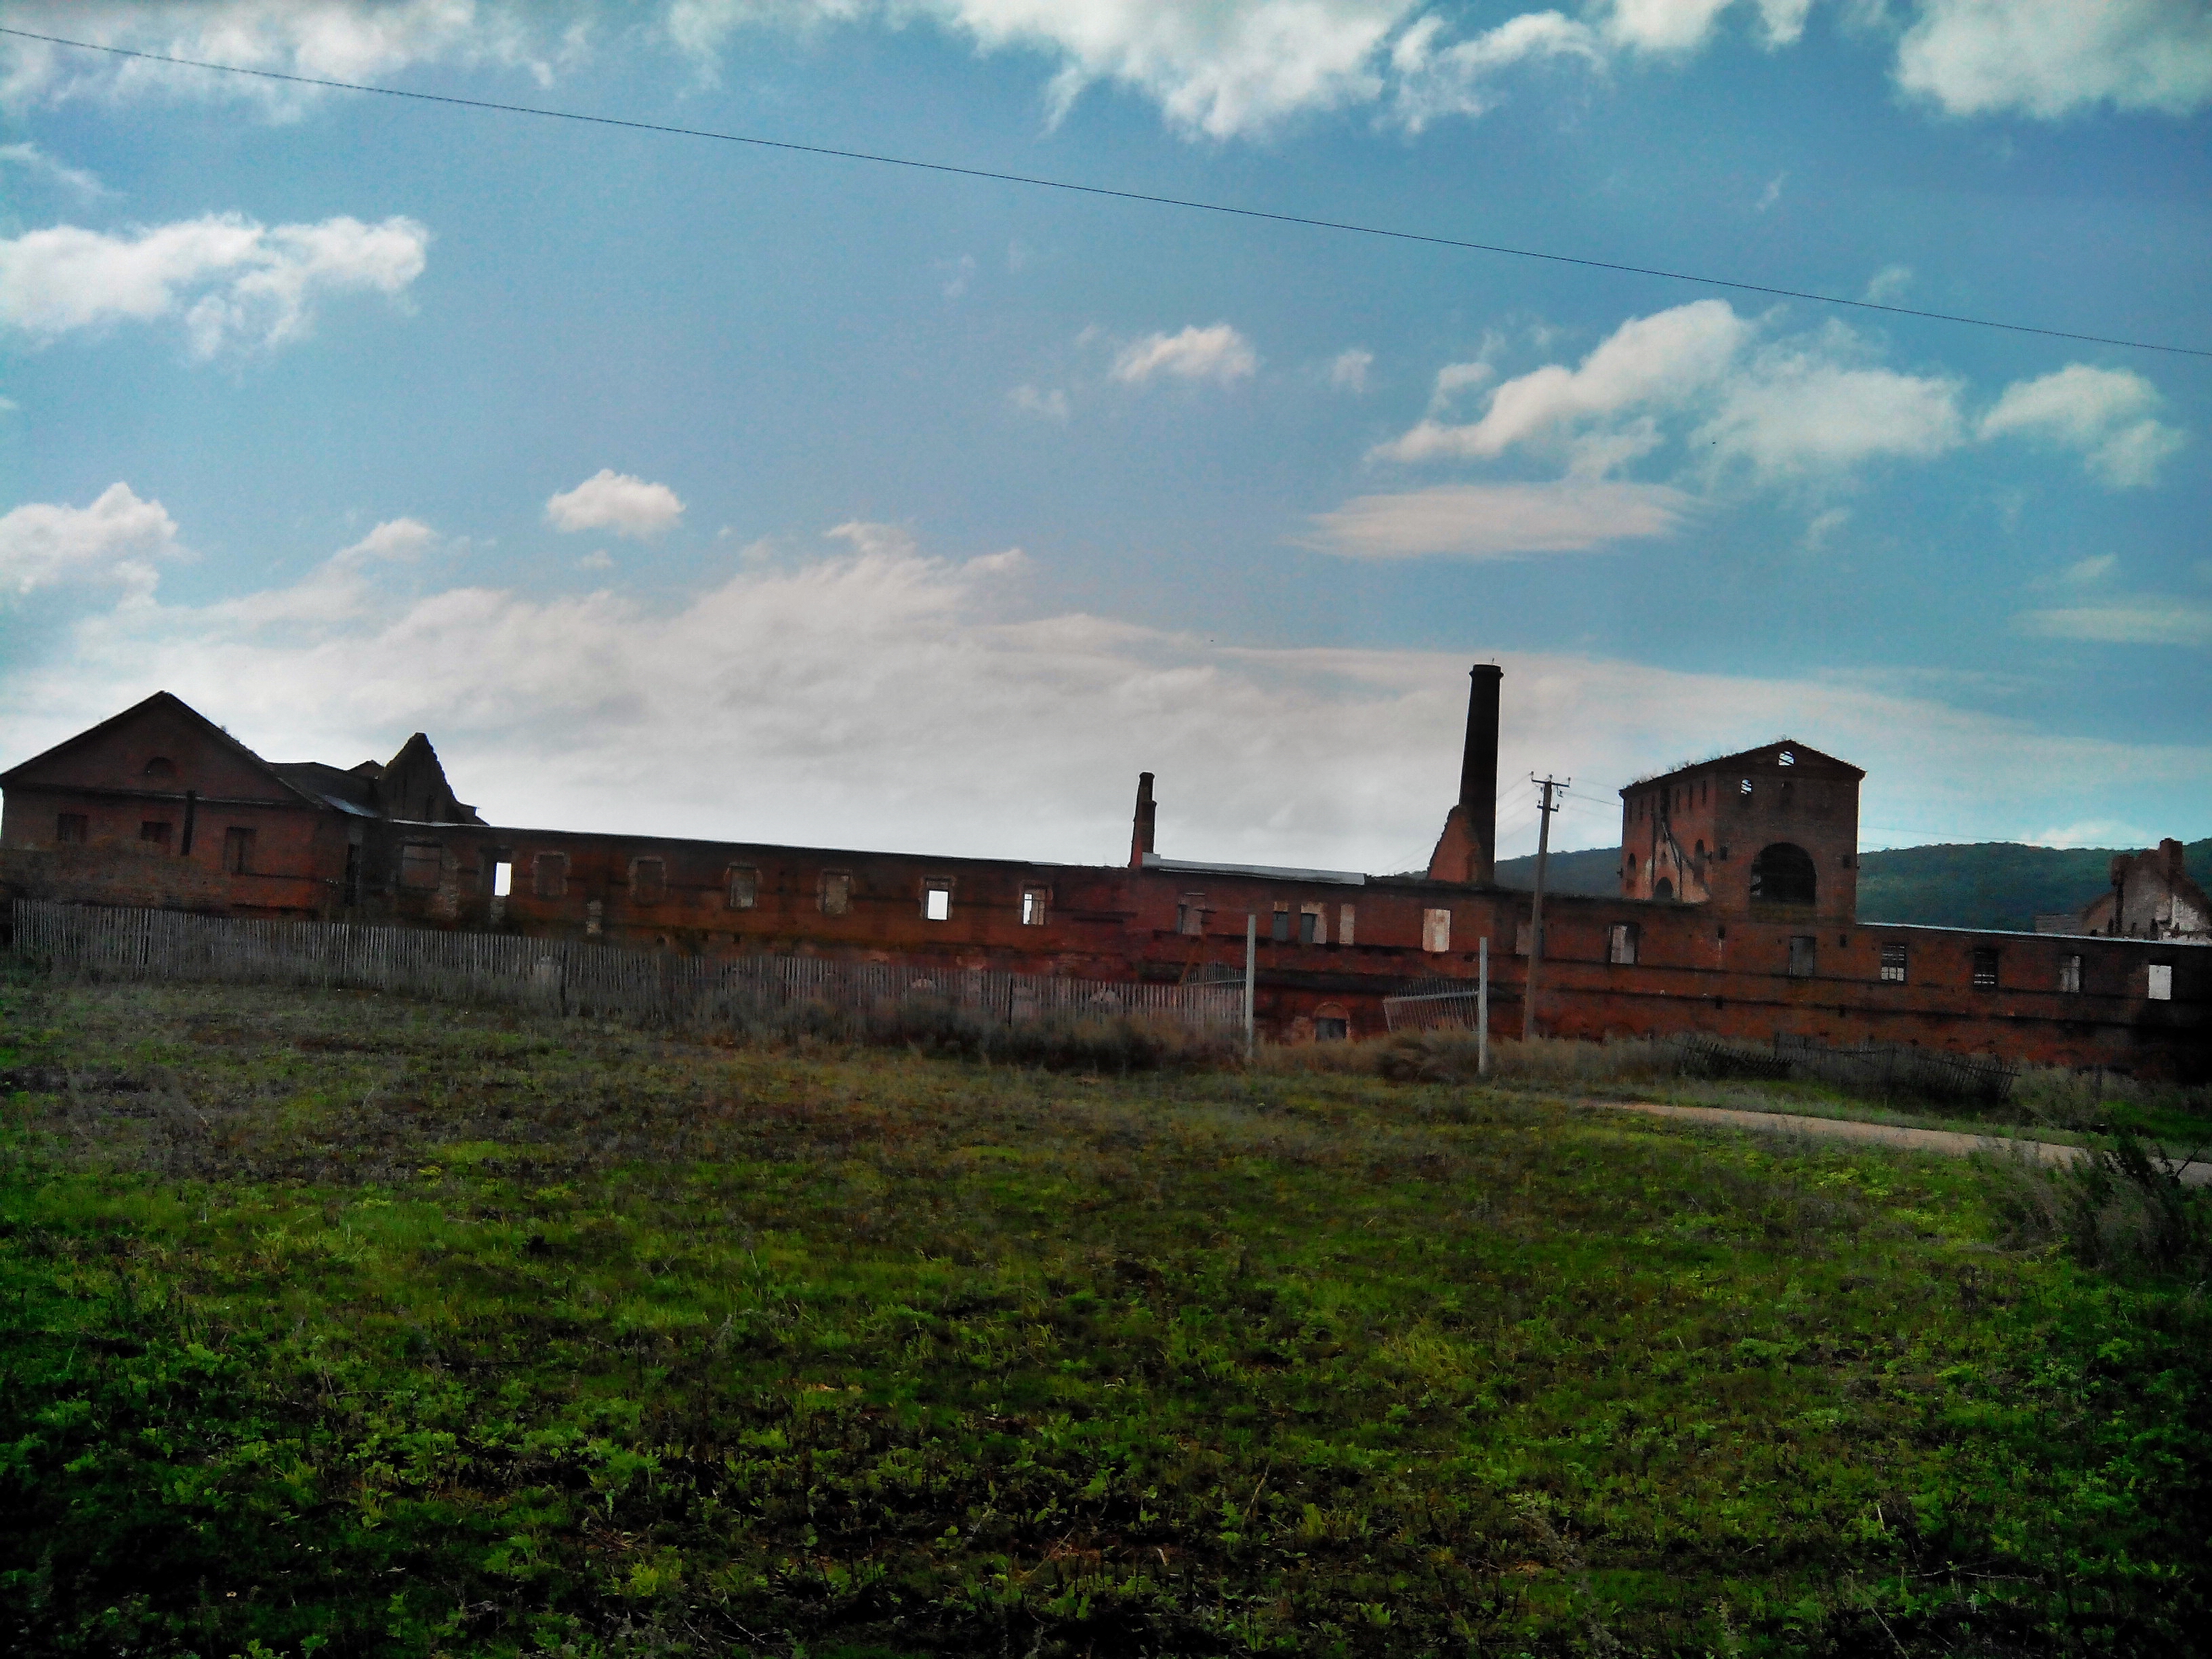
point(336, 1323)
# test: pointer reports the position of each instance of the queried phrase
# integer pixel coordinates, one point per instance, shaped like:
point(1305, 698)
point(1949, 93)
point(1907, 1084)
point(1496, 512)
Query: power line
point(1223, 207)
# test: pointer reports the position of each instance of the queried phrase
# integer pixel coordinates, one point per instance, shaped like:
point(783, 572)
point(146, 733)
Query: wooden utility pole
point(1536, 917)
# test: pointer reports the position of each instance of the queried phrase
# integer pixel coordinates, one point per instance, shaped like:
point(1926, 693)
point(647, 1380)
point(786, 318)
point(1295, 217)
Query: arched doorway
point(1663, 889)
point(1783, 874)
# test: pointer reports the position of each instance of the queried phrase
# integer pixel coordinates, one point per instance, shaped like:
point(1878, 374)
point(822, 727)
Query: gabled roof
point(164, 702)
point(1766, 755)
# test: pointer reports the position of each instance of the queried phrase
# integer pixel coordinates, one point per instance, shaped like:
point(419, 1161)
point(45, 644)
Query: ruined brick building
point(2151, 896)
point(1736, 914)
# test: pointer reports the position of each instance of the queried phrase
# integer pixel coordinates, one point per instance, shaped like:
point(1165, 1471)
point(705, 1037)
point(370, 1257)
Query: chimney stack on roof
point(1141, 832)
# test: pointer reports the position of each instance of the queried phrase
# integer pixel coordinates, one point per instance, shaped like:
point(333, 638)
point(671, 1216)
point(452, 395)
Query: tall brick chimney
point(1140, 831)
point(1478, 771)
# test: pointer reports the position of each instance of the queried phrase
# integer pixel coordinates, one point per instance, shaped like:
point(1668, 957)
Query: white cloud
point(879, 697)
point(1347, 371)
point(1050, 404)
point(2123, 619)
point(1773, 193)
point(233, 282)
point(30, 159)
point(609, 500)
point(2054, 57)
point(2086, 573)
point(1431, 81)
point(2106, 413)
point(598, 559)
point(112, 542)
point(1498, 521)
point(1219, 354)
point(358, 41)
point(1889, 283)
point(1455, 378)
point(1799, 410)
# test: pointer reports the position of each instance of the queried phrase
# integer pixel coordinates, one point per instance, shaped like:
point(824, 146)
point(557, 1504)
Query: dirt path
point(1951, 1141)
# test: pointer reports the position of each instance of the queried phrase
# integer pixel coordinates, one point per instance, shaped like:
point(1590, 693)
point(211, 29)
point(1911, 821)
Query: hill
point(1998, 883)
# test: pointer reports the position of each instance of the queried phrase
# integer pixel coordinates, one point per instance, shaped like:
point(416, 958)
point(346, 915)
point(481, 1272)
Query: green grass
point(338, 1319)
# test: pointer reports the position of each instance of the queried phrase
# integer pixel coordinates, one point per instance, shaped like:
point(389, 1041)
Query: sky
point(687, 487)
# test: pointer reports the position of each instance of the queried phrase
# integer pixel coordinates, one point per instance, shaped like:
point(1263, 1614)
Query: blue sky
point(679, 485)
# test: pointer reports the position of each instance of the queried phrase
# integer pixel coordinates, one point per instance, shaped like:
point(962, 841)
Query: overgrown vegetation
point(335, 1322)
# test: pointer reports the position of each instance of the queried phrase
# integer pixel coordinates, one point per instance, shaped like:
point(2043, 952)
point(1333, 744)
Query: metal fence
point(1878, 1070)
point(560, 976)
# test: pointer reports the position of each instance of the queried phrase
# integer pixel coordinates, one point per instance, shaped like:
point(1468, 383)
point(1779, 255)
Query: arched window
point(1663, 889)
point(160, 767)
point(1783, 874)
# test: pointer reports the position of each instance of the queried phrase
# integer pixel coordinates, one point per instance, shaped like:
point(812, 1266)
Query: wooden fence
point(560, 976)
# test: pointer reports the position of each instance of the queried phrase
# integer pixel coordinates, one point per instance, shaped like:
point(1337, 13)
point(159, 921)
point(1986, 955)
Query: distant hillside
point(1998, 883)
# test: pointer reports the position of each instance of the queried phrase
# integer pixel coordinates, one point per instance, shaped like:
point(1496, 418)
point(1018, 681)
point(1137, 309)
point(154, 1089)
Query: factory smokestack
point(1140, 828)
point(1478, 771)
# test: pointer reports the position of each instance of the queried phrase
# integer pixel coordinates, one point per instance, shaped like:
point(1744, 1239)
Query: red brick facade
point(1722, 956)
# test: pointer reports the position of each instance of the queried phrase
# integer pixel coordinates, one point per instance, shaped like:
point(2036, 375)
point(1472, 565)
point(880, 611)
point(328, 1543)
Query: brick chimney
point(1140, 831)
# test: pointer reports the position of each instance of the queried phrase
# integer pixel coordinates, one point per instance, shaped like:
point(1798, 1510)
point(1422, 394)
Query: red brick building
point(1737, 913)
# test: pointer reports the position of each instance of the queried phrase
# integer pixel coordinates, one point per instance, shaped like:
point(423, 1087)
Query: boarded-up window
point(548, 875)
point(1986, 971)
point(1279, 929)
point(1436, 930)
point(744, 887)
point(1804, 956)
point(1345, 915)
point(1190, 913)
point(936, 900)
point(238, 850)
point(2070, 975)
point(1332, 1023)
point(836, 892)
point(154, 832)
point(1896, 963)
point(1523, 937)
point(420, 863)
point(649, 881)
point(1621, 944)
point(1036, 902)
point(72, 829)
point(2161, 986)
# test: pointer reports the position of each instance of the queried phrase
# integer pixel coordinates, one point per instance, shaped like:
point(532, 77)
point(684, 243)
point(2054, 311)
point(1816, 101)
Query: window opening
point(421, 864)
point(548, 875)
point(1190, 914)
point(503, 878)
point(1663, 888)
point(1312, 930)
point(937, 900)
point(1621, 944)
point(2070, 975)
point(1035, 902)
point(1986, 971)
point(238, 851)
point(836, 892)
point(649, 881)
point(72, 829)
point(1804, 955)
point(1343, 919)
point(2160, 984)
point(1896, 960)
point(1744, 787)
point(1436, 930)
point(154, 832)
point(744, 887)
point(1279, 931)
point(1522, 934)
point(160, 767)
point(1786, 758)
point(1331, 1023)
point(1783, 874)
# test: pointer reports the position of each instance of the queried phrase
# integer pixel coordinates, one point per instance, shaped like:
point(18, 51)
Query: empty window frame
point(2159, 986)
point(503, 878)
point(160, 767)
point(1524, 935)
point(421, 864)
point(1436, 930)
point(1345, 914)
point(548, 875)
point(744, 887)
point(836, 892)
point(937, 899)
point(1896, 964)
point(1190, 913)
point(1985, 969)
point(1279, 929)
point(1036, 905)
point(72, 829)
point(649, 881)
point(1621, 944)
point(238, 850)
point(1804, 956)
point(1313, 925)
point(2070, 975)
point(1331, 1023)
point(154, 832)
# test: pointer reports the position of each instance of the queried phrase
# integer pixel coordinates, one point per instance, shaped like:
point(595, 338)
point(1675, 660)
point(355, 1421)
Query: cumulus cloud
point(1432, 78)
point(1050, 404)
point(115, 542)
point(2053, 57)
point(609, 500)
point(880, 697)
point(231, 281)
point(33, 162)
point(358, 41)
point(1347, 371)
point(1801, 410)
point(1219, 354)
point(1500, 520)
point(2106, 413)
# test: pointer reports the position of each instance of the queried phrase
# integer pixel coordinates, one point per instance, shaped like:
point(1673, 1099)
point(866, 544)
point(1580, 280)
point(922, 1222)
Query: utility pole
point(1251, 972)
point(1536, 917)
